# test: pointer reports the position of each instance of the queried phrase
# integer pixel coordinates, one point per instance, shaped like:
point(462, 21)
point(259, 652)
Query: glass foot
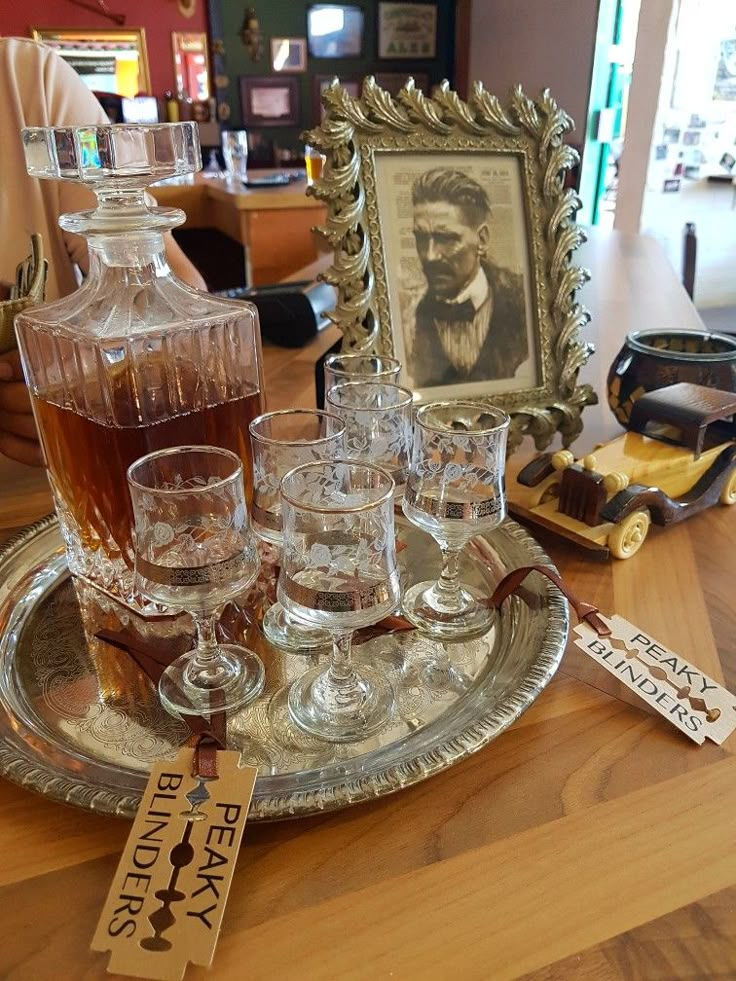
point(284, 632)
point(322, 708)
point(471, 620)
point(229, 682)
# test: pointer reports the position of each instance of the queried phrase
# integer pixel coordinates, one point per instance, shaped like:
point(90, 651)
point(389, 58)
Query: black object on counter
point(290, 313)
point(652, 359)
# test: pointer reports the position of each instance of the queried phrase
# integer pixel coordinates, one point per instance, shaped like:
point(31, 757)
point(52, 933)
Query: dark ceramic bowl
point(652, 359)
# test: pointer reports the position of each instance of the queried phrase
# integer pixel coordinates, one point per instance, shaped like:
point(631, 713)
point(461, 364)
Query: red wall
point(158, 17)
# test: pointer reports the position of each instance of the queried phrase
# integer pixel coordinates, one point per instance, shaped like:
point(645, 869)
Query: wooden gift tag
point(168, 896)
point(686, 697)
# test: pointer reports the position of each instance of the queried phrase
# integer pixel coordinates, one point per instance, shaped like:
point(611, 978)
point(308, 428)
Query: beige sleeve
point(70, 103)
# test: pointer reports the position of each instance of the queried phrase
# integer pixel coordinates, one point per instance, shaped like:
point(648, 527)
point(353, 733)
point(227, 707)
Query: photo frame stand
point(354, 129)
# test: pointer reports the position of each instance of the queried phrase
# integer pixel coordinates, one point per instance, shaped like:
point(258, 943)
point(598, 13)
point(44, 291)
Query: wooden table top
point(589, 841)
point(182, 194)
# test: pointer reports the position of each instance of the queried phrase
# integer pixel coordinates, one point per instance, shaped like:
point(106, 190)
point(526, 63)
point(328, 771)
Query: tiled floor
point(708, 205)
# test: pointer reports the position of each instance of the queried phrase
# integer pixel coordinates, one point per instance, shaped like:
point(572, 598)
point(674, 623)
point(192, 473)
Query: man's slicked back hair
point(454, 187)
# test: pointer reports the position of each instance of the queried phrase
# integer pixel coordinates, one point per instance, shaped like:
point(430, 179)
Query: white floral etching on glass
point(458, 461)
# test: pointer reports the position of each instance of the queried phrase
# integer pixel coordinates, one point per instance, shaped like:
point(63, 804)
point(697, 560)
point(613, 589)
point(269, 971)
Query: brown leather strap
point(584, 611)
point(153, 663)
point(204, 761)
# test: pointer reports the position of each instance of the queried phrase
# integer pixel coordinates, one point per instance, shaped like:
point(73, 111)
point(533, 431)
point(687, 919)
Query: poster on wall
point(725, 83)
point(407, 30)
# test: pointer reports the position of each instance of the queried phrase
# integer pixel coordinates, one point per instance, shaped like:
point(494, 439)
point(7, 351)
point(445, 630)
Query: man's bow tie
point(452, 312)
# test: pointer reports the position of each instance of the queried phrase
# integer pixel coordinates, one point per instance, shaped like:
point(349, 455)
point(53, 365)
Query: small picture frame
point(335, 30)
point(321, 82)
point(407, 30)
point(289, 54)
point(269, 101)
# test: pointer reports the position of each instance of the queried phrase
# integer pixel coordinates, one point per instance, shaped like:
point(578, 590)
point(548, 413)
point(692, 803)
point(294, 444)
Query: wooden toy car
point(677, 458)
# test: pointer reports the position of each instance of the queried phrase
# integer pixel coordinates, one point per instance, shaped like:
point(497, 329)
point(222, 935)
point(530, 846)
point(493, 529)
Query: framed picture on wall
point(407, 30)
point(335, 30)
point(321, 82)
point(289, 54)
point(269, 101)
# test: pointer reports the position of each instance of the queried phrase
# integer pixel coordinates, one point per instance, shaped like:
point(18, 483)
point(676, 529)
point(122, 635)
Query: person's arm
point(18, 436)
point(182, 267)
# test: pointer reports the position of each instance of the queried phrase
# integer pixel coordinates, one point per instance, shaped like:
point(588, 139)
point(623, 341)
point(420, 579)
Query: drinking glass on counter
point(354, 367)
point(235, 153)
point(314, 161)
point(194, 552)
point(339, 572)
point(281, 441)
point(378, 421)
point(455, 491)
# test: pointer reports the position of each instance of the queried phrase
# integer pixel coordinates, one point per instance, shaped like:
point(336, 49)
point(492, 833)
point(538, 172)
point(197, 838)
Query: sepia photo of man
point(470, 324)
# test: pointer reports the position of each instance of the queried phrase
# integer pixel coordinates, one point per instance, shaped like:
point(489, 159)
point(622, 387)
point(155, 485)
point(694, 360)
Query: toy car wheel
point(728, 491)
point(628, 537)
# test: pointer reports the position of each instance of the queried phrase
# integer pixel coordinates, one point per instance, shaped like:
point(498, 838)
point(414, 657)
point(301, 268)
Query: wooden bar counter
point(590, 841)
point(274, 224)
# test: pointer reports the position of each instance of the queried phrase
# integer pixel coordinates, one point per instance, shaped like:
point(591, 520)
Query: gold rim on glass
point(459, 406)
point(368, 506)
point(172, 451)
point(340, 431)
point(407, 400)
point(391, 364)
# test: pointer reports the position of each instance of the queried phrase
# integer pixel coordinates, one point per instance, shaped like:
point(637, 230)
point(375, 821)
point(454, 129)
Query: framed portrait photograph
point(335, 30)
point(407, 30)
point(322, 82)
point(269, 100)
point(457, 258)
point(289, 54)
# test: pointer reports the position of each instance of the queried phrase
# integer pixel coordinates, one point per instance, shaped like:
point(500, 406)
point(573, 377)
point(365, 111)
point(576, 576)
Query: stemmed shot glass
point(354, 367)
point(339, 572)
point(235, 153)
point(281, 441)
point(455, 491)
point(194, 552)
point(378, 422)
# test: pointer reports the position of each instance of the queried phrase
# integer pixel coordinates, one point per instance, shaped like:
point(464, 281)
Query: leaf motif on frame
point(489, 109)
point(382, 107)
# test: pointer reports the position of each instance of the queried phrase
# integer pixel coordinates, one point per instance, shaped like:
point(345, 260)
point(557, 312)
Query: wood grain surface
point(273, 223)
point(589, 841)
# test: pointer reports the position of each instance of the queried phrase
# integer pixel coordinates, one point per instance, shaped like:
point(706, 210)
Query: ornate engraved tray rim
point(33, 759)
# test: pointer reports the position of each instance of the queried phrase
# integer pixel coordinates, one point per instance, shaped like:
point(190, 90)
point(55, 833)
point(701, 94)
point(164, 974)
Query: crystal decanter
point(135, 360)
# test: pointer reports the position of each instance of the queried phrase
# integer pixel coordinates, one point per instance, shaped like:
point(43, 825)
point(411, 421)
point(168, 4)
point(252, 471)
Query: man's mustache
point(432, 269)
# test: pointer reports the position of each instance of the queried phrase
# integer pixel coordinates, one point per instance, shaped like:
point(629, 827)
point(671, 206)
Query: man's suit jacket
point(504, 349)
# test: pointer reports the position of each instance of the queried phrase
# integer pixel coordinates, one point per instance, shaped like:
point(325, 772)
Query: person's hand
point(18, 434)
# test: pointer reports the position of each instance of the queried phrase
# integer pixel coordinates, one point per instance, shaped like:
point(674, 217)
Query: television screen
point(141, 109)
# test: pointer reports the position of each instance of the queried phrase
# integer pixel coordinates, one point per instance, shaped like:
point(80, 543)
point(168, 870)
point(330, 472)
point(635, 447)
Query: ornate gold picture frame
point(416, 188)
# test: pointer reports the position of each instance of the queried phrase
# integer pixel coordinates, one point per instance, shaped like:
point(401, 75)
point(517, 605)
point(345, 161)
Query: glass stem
point(447, 588)
point(341, 665)
point(206, 650)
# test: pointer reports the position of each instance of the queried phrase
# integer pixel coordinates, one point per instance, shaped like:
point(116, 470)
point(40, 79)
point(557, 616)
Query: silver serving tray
point(80, 724)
